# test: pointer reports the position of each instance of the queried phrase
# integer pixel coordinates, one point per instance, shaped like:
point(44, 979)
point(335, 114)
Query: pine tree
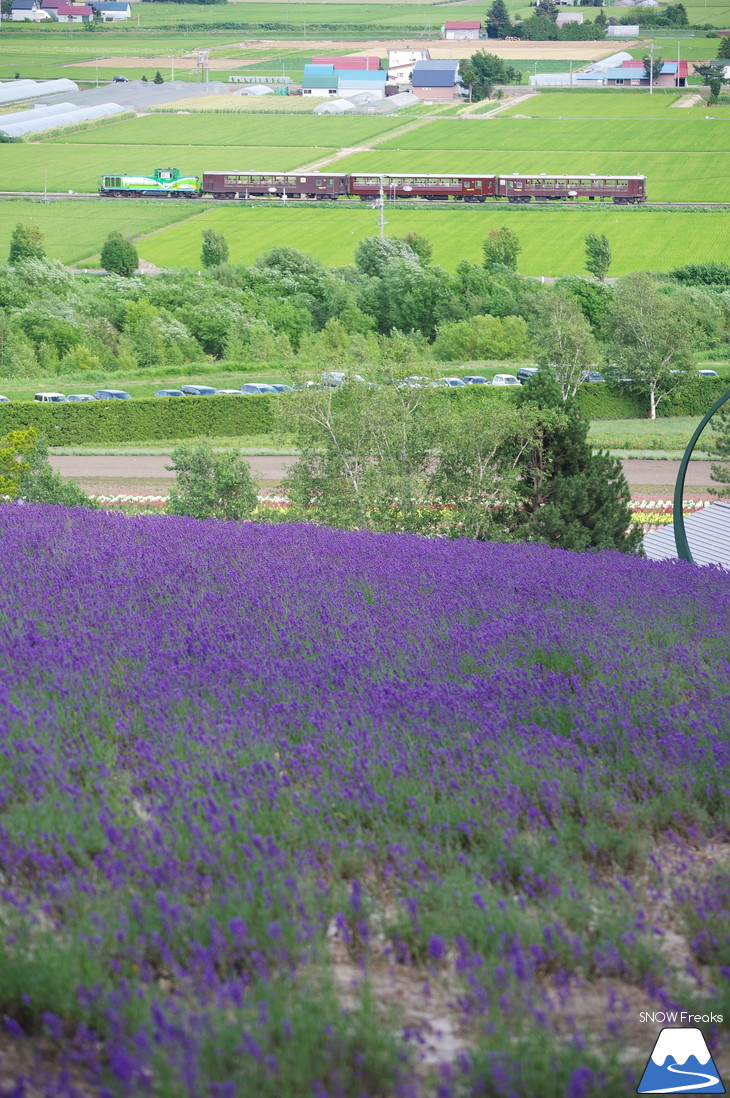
point(724, 51)
point(498, 20)
point(572, 498)
point(158, 78)
point(119, 255)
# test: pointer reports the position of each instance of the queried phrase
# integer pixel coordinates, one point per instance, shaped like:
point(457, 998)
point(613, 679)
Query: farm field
point(628, 135)
point(552, 240)
point(71, 233)
point(78, 167)
point(218, 130)
point(361, 819)
point(606, 104)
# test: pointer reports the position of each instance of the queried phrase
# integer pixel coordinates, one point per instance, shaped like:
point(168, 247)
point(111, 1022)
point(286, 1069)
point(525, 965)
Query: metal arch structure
point(680, 535)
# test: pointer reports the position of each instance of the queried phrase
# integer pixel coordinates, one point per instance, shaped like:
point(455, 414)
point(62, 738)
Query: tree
point(215, 248)
point(39, 483)
point(6, 7)
point(571, 497)
point(15, 449)
point(501, 248)
point(652, 69)
point(158, 78)
point(676, 15)
point(374, 253)
point(714, 78)
point(723, 51)
point(652, 337)
point(601, 20)
point(563, 341)
point(547, 8)
point(481, 337)
point(421, 245)
point(598, 255)
point(119, 255)
point(482, 71)
point(26, 242)
point(211, 485)
point(499, 24)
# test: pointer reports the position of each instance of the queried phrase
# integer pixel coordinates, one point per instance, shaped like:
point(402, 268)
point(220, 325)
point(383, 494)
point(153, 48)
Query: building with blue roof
point(436, 80)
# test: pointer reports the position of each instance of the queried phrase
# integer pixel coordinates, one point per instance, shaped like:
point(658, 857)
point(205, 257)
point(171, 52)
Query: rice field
point(607, 104)
point(219, 130)
point(630, 135)
point(552, 240)
point(73, 231)
point(78, 167)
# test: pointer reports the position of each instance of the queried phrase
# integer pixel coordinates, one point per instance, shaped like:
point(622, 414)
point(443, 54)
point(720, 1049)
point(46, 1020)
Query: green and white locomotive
point(164, 183)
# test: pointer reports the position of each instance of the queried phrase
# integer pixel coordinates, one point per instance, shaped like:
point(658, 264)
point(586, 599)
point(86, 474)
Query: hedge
point(112, 421)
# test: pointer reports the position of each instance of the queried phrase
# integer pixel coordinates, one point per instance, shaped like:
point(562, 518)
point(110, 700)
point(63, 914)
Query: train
point(329, 186)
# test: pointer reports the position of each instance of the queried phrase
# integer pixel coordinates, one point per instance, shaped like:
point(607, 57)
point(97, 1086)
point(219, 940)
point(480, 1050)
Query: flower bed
point(290, 811)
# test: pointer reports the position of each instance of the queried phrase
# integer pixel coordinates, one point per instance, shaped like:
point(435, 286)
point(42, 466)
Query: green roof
point(317, 81)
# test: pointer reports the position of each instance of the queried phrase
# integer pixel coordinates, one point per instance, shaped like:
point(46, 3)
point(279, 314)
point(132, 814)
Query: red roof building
point(74, 13)
point(349, 64)
point(459, 28)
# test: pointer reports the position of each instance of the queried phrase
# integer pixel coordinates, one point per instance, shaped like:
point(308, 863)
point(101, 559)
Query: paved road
point(120, 468)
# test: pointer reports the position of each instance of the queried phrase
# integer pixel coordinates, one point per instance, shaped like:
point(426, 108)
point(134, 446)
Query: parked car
point(475, 379)
point(454, 382)
point(120, 80)
point(229, 392)
point(253, 387)
point(590, 377)
point(525, 373)
point(111, 394)
point(4, 400)
point(505, 379)
point(169, 393)
point(198, 390)
point(50, 398)
point(283, 388)
point(79, 397)
point(264, 387)
point(708, 373)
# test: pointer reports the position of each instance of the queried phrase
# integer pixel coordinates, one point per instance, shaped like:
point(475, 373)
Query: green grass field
point(671, 177)
point(684, 135)
point(552, 240)
point(78, 167)
point(74, 230)
point(642, 434)
point(608, 103)
point(220, 130)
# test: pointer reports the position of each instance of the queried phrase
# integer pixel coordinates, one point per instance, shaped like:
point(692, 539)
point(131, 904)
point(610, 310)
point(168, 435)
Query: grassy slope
point(71, 233)
point(552, 240)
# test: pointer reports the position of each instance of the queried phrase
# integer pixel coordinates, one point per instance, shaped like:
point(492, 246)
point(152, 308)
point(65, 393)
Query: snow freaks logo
point(680, 1063)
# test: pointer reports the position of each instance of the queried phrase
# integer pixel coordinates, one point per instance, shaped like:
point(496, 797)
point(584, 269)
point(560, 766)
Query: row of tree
point(288, 308)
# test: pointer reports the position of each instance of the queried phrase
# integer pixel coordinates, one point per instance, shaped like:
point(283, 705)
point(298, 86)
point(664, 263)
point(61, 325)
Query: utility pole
point(652, 47)
point(172, 77)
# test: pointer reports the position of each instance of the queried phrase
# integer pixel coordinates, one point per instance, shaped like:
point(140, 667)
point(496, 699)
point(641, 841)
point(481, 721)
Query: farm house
point(436, 80)
point(30, 10)
point(457, 30)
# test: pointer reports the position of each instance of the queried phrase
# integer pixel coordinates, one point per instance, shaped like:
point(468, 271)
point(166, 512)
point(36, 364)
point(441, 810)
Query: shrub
point(211, 485)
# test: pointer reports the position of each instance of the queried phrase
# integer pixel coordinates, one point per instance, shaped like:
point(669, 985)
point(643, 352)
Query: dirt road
point(148, 475)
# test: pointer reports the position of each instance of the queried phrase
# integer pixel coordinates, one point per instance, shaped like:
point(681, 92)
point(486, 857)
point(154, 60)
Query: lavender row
point(282, 806)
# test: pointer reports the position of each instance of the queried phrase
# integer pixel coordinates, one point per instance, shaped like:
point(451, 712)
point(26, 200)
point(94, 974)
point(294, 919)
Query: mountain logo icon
point(680, 1063)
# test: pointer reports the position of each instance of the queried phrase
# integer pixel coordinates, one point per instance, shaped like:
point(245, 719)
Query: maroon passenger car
point(434, 188)
point(315, 185)
point(620, 189)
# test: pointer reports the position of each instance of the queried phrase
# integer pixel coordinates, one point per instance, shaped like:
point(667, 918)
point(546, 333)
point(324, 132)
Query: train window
point(517, 186)
point(478, 184)
point(621, 184)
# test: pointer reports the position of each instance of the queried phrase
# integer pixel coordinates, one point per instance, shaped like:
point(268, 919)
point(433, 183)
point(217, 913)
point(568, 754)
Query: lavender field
point(287, 811)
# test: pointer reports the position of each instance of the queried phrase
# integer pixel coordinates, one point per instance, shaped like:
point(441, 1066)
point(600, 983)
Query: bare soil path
point(146, 474)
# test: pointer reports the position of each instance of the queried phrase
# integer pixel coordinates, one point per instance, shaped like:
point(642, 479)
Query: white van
point(52, 398)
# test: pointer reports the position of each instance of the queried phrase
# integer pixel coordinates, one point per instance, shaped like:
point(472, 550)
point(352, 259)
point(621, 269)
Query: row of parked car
point(329, 379)
point(183, 391)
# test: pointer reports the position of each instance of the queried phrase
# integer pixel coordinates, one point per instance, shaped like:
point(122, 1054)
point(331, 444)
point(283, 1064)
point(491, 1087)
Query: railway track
point(49, 196)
